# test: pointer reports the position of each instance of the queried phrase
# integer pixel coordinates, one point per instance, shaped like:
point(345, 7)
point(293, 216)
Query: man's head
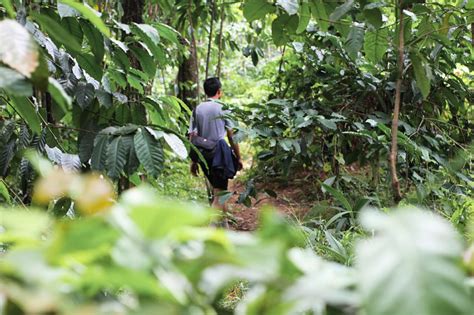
point(212, 87)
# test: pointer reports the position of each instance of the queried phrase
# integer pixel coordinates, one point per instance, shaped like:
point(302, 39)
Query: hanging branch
point(397, 196)
point(221, 30)
point(211, 28)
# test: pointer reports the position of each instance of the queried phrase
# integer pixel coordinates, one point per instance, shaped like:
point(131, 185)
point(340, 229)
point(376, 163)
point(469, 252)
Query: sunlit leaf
point(257, 9)
point(27, 111)
point(18, 49)
point(90, 14)
point(411, 265)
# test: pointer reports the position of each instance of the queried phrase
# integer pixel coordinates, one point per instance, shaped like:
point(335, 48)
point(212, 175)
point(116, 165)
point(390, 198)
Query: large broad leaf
point(132, 160)
point(27, 111)
point(90, 65)
point(257, 9)
point(15, 83)
point(374, 17)
point(149, 152)
point(168, 33)
point(58, 33)
point(422, 73)
point(305, 16)
point(18, 49)
point(282, 26)
point(90, 14)
point(341, 10)
point(322, 283)
point(318, 10)
point(147, 62)
point(148, 211)
point(411, 266)
point(376, 44)
point(290, 6)
point(116, 157)
point(95, 39)
point(99, 154)
point(176, 144)
point(354, 41)
point(150, 36)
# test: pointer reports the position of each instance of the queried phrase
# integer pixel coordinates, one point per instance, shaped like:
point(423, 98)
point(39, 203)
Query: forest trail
point(291, 200)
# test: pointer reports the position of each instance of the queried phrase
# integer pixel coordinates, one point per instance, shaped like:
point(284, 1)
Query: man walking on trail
point(207, 130)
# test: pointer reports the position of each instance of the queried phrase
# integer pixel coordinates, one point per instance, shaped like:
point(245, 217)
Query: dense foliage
point(369, 101)
point(150, 255)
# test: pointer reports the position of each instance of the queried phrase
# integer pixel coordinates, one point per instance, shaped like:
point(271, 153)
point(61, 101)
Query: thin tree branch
point(397, 196)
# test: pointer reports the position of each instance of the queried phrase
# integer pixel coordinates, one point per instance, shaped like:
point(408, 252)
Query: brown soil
point(293, 199)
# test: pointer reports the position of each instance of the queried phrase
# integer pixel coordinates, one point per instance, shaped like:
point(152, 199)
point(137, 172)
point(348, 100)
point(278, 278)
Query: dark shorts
point(216, 178)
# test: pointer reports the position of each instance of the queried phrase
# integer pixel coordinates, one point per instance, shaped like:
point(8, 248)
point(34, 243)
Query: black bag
point(203, 143)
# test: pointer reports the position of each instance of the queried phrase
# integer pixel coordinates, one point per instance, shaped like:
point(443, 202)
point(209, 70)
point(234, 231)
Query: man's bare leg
point(221, 206)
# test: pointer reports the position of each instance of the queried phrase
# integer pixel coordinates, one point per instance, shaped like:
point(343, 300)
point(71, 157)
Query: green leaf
point(328, 123)
point(90, 14)
point(150, 36)
point(257, 9)
point(354, 41)
point(18, 49)
point(132, 160)
point(57, 32)
point(282, 27)
point(168, 33)
point(147, 62)
point(95, 39)
point(374, 17)
point(59, 95)
point(116, 157)
point(4, 192)
point(135, 82)
point(27, 111)
point(99, 154)
point(341, 10)
point(149, 152)
point(90, 65)
point(411, 266)
point(73, 27)
point(7, 4)
point(305, 16)
point(149, 211)
point(376, 44)
point(318, 10)
point(422, 77)
point(14, 82)
point(339, 196)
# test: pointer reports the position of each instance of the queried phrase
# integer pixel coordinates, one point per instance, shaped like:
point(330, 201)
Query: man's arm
point(235, 147)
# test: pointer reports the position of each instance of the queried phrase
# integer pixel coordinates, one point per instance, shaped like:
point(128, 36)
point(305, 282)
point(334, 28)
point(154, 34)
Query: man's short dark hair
point(211, 86)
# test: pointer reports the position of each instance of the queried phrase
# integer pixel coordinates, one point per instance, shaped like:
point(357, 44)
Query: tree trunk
point(209, 44)
point(133, 11)
point(397, 196)
point(221, 31)
point(188, 73)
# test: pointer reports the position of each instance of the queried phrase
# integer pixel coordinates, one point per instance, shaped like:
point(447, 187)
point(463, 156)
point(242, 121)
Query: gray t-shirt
point(210, 121)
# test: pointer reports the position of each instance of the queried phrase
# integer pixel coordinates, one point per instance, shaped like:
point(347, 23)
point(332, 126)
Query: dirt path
point(291, 200)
